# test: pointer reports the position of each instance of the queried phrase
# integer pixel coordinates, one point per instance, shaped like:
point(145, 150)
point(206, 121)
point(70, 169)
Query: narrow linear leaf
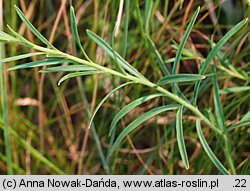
point(125, 30)
point(185, 53)
point(77, 74)
point(104, 99)
point(113, 49)
point(241, 124)
point(133, 125)
point(46, 62)
point(9, 59)
point(208, 113)
point(233, 72)
point(5, 35)
point(224, 39)
point(5, 136)
point(4, 39)
point(32, 28)
point(68, 68)
point(110, 52)
point(180, 78)
point(75, 31)
point(162, 65)
point(158, 57)
point(180, 48)
point(131, 106)
point(214, 51)
point(14, 41)
point(19, 39)
point(183, 41)
point(208, 150)
point(217, 104)
point(180, 138)
point(246, 117)
point(148, 12)
point(170, 60)
point(228, 63)
point(234, 90)
point(139, 16)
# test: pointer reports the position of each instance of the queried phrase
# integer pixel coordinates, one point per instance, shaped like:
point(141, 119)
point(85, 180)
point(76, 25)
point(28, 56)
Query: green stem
point(227, 152)
point(172, 96)
point(4, 103)
point(5, 117)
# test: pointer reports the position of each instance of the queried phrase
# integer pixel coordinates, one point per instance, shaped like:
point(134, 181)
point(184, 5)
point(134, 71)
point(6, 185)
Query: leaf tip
point(17, 8)
point(88, 31)
point(199, 8)
point(72, 9)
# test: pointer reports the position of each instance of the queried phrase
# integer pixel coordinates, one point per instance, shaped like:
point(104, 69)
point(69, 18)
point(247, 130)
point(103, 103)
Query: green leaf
point(46, 62)
point(131, 106)
point(214, 51)
point(9, 59)
point(77, 74)
point(186, 53)
point(241, 124)
point(110, 52)
point(5, 136)
point(5, 35)
point(125, 30)
point(224, 39)
point(133, 125)
point(3, 39)
point(32, 28)
point(75, 32)
point(148, 12)
point(234, 89)
point(170, 60)
point(180, 78)
point(180, 138)
point(246, 117)
point(208, 150)
point(158, 57)
point(217, 104)
point(114, 53)
point(208, 113)
point(19, 39)
point(68, 68)
point(186, 34)
point(232, 70)
point(104, 99)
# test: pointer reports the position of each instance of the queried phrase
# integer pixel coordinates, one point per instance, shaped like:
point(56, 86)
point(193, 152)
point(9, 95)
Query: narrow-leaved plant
point(131, 76)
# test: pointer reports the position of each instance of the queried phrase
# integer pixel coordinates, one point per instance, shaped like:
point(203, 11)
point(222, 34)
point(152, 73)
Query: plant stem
point(4, 102)
point(227, 152)
point(143, 81)
point(174, 97)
